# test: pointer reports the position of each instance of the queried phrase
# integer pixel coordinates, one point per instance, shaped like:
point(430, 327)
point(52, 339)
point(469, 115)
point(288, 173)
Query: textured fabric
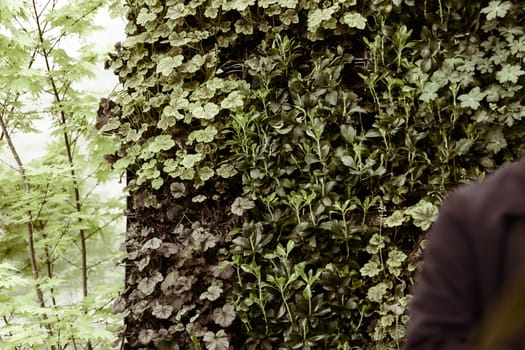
point(472, 251)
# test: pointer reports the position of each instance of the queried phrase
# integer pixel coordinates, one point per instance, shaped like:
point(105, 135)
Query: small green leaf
point(224, 316)
point(189, 160)
point(497, 9)
point(354, 20)
point(207, 112)
point(377, 292)
point(241, 204)
point(216, 341)
point(205, 135)
point(233, 101)
point(167, 64)
point(472, 99)
point(509, 73)
point(370, 269)
point(226, 171)
point(397, 218)
point(423, 214)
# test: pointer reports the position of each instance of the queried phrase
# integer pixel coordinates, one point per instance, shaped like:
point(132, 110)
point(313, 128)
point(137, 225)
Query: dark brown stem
point(30, 227)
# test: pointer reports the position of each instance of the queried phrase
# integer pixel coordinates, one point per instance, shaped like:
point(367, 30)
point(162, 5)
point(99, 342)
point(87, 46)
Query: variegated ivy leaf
point(395, 261)
point(370, 269)
point(239, 5)
point(140, 307)
point(233, 101)
point(472, 99)
point(206, 173)
point(146, 336)
point(189, 160)
point(244, 26)
point(213, 292)
point(145, 16)
point(216, 341)
point(179, 10)
point(241, 204)
point(318, 16)
point(193, 65)
point(509, 73)
point(207, 112)
point(354, 20)
point(496, 9)
point(224, 316)
point(161, 311)
point(147, 285)
point(397, 218)
point(205, 135)
point(267, 3)
point(167, 64)
point(160, 143)
point(211, 12)
point(376, 243)
point(226, 171)
point(423, 214)
point(291, 4)
point(178, 189)
point(377, 292)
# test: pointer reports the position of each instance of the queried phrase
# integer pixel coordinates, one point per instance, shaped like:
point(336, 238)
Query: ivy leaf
point(167, 64)
point(423, 214)
point(354, 20)
point(376, 243)
point(205, 136)
point(145, 16)
point(226, 171)
point(509, 73)
point(472, 99)
point(147, 285)
point(497, 9)
point(216, 341)
point(377, 292)
point(224, 316)
point(189, 160)
point(161, 311)
point(206, 173)
point(241, 204)
point(212, 293)
point(318, 16)
point(146, 336)
point(207, 112)
point(397, 218)
point(178, 189)
point(370, 269)
point(233, 101)
point(179, 10)
point(395, 261)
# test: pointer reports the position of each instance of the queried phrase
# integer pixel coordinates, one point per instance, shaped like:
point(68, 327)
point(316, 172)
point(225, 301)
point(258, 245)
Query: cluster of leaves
point(56, 232)
point(322, 135)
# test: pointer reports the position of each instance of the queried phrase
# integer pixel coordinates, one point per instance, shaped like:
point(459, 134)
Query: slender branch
point(26, 186)
point(68, 146)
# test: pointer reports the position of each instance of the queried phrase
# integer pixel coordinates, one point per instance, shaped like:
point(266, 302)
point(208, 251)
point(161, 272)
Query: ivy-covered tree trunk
point(285, 158)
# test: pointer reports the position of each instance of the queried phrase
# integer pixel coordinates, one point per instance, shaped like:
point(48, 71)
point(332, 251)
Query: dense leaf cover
point(285, 158)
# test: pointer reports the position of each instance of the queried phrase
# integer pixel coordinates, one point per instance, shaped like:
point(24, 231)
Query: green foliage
point(302, 148)
point(57, 235)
